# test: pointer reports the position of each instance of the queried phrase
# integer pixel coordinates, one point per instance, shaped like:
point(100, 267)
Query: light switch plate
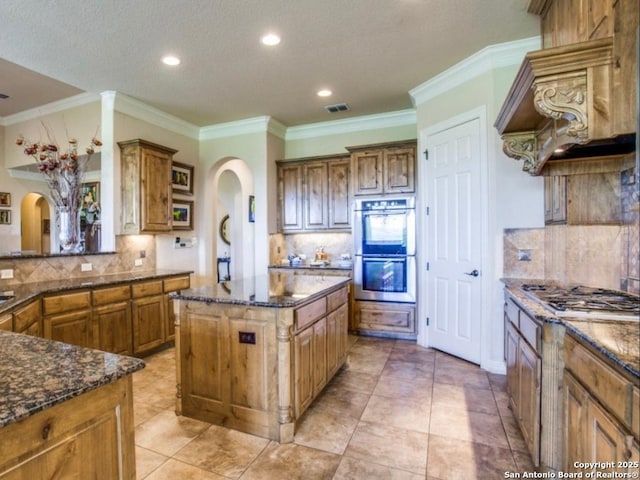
point(138, 262)
point(524, 255)
point(86, 267)
point(6, 274)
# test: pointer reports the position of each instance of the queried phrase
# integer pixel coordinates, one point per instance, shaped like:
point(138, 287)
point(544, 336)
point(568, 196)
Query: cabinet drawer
point(335, 299)
point(307, 314)
point(146, 289)
point(530, 330)
point(513, 312)
point(66, 303)
point(613, 390)
point(175, 284)
point(26, 316)
point(105, 296)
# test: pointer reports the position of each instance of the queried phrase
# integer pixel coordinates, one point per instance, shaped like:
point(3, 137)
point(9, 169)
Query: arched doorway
point(228, 187)
point(36, 224)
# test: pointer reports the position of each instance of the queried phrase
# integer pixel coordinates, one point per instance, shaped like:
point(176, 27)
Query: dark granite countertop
point(27, 291)
point(36, 374)
point(276, 290)
point(331, 266)
point(617, 340)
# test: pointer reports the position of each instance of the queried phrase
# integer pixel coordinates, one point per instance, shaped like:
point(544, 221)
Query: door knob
point(473, 273)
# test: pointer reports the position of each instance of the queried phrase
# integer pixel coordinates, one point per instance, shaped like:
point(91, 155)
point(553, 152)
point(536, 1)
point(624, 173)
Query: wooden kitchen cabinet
point(291, 196)
point(599, 415)
point(28, 319)
point(68, 318)
point(148, 316)
point(6, 322)
point(314, 194)
point(146, 187)
point(303, 370)
point(90, 436)
point(383, 168)
point(555, 199)
point(393, 320)
point(524, 374)
point(112, 319)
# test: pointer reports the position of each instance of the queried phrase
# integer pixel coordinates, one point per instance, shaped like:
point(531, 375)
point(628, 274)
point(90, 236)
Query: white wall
point(514, 198)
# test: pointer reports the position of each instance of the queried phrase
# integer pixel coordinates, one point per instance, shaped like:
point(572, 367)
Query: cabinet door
point(113, 328)
point(337, 338)
point(72, 327)
point(303, 371)
point(575, 423)
point(529, 367)
point(155, 191)
point(607, 442)
point(315, 203)
point(366, 169)
point(398, 169)
point(555, 199)
point(386, 317)
point(291, 196)
point(319, 358)
point(339, 199)
point(511, 358)
point(148, 321)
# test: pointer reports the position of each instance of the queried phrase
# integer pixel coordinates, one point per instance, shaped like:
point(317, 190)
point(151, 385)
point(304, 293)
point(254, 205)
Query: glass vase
point(68, 223)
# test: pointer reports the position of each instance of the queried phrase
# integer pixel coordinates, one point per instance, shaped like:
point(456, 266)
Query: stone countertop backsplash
point(37, 374)
point(619, 341)
point(27, 291)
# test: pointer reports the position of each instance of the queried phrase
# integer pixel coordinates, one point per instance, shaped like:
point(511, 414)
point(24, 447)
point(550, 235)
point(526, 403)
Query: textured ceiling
point(369, 52)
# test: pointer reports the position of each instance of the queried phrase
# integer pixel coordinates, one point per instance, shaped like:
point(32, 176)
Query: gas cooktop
point(582, 301)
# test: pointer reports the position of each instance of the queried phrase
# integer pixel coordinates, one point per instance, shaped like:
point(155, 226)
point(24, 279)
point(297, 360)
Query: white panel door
point(454, 249)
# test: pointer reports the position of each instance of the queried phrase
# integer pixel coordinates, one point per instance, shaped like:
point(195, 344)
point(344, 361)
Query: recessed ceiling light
point(270, 39)
point(325, 92)
point(171, 60)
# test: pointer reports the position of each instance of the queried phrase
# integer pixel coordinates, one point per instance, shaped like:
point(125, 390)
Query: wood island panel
point(257, 369)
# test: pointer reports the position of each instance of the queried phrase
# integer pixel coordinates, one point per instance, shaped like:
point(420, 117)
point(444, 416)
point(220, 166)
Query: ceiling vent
point(3, 96)
point(338, 107)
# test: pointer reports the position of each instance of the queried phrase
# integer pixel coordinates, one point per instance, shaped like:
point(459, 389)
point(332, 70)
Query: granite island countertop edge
point(41, 373)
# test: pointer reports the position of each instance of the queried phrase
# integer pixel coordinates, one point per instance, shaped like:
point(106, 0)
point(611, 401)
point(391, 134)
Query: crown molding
point(49, 108)
point(354, 124)
point(140, 110)
point(489, 58)
point(261, 124)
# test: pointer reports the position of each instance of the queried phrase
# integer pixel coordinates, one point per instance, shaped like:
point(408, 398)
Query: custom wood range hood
point(574, 95)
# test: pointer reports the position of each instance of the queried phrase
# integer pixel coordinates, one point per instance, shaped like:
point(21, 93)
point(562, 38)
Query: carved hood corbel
point(561, 96)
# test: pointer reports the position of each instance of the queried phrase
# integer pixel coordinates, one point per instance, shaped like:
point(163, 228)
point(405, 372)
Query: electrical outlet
point(6, 274)
point(86, 267)
point(524, 255)
point(138, 262)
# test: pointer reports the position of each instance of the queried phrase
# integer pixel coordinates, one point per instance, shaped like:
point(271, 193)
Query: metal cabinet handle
point(473, 273)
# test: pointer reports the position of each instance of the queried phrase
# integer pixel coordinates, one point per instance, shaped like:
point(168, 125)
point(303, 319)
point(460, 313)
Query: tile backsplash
point(41, 269)
point(334, 244)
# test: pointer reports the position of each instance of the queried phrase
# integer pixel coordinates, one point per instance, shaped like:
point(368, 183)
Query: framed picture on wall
point(5, 199)
point(182, 178)
point(5, 217)
point(252, 208)
point(182, 214)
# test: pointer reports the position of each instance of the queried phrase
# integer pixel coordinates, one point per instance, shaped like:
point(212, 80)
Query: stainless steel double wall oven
point(385, 248)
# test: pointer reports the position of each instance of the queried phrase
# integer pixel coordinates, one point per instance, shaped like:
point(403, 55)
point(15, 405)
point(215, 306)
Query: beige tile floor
point(395, 411)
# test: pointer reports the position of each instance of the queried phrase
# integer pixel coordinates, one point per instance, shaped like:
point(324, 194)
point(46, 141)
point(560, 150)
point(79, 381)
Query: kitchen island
point(65, 411)
point(252, 354)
